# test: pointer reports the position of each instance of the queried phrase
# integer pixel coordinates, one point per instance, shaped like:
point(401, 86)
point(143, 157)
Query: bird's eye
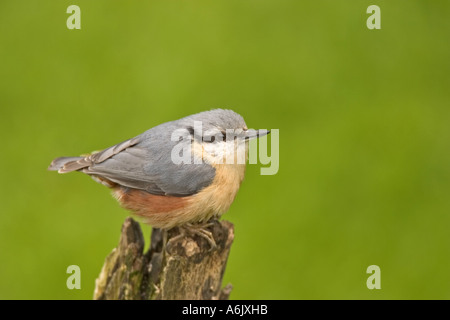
point(190, 130)
point(216, 137)
point(210, 139)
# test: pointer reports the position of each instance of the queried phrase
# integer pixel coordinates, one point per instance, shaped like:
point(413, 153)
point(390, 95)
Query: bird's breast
point(162, 211)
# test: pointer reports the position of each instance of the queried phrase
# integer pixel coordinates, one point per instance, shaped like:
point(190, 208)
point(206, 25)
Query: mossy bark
point(188, 269)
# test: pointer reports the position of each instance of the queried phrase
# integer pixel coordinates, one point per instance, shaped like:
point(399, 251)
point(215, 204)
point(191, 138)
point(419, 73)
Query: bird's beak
point(251, 134)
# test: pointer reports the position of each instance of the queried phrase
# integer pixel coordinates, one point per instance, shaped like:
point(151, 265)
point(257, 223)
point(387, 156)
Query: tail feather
point(68, 164)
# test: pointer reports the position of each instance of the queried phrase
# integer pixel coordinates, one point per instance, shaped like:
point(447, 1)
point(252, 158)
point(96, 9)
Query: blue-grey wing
point(147, 165)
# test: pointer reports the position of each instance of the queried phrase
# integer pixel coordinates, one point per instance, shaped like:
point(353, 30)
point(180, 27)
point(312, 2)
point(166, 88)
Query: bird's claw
point(192, 230)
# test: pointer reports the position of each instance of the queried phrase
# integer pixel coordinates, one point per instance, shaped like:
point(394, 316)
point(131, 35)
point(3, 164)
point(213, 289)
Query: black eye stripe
point(191, 130)
point(218, 137)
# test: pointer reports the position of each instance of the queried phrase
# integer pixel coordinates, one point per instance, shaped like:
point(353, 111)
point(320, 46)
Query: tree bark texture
point(187, 268)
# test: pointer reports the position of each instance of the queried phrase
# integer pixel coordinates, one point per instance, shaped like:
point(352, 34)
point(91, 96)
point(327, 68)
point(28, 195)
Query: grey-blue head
point(220, 122)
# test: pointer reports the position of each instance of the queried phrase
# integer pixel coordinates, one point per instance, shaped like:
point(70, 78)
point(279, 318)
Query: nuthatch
point(146, 180)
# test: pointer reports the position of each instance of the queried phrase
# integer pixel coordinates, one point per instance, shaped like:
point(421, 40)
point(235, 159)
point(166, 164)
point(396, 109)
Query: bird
point(182, 173)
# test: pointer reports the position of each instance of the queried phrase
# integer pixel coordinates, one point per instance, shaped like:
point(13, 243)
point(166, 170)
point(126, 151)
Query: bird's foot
point(190, 229)
point(201, 231)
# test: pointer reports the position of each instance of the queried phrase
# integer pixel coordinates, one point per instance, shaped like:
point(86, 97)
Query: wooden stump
point(187, 269)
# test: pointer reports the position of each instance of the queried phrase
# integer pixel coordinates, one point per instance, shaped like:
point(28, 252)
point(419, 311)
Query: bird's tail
point(68, 164)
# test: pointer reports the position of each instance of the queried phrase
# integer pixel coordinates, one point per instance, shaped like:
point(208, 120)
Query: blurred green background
point(364, 137)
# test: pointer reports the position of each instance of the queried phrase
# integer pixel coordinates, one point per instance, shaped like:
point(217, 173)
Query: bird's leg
point(171, 241)
point(194, 229)
point(165, 239)
point(200, 230)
